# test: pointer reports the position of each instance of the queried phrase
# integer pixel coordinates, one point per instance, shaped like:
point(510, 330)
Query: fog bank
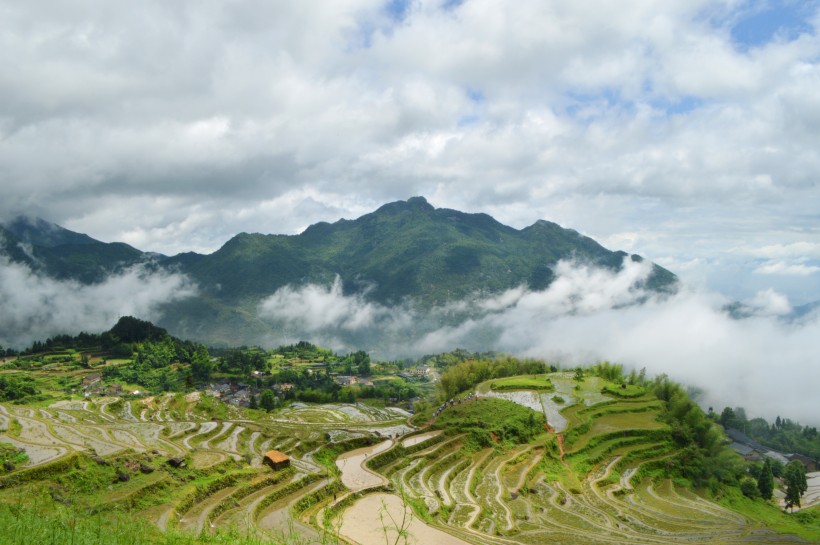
point(763, 362)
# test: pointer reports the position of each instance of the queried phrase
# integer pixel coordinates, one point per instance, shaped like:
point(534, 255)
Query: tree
point(765, 482)
point(267, 401)
point(201, 365)
point(727, 417)
point(796, 485)
point(740, 416)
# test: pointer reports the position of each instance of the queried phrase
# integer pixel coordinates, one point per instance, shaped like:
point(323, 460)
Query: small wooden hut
point(276, 459)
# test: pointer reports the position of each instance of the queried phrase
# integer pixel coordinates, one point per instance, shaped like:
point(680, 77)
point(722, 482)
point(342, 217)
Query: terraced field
point(364, 473)
point(113, 454)
point(591, 489)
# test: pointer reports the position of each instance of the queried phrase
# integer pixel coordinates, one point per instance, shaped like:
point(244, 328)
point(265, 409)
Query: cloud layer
point(762, 362)
point(36, 307)
point(681, 130)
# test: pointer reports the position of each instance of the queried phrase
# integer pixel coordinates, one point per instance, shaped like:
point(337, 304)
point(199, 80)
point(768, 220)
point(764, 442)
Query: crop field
point(492, 469)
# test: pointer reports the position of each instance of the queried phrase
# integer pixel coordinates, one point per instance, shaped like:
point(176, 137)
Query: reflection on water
point(565, 385)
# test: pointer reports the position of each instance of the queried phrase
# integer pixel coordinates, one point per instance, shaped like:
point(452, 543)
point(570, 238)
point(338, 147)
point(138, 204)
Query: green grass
point(623, 390)
point(15, 428)
point(492, 421)
point(9, 454)
point(531, 382)
point(805, 524)
point(32, 522)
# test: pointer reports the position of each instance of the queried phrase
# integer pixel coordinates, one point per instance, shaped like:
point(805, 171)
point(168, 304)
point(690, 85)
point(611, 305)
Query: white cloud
point(785, 268)
point(794, 250)
point(770, 303)
point(36, 307)
point(590, 314)
point(314, 308)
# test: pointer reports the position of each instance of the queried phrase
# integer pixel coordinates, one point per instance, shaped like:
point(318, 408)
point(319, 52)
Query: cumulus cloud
point(770, 303)
point(36, 307)
point(761, 362)
point(314, 308)
point(195, 121)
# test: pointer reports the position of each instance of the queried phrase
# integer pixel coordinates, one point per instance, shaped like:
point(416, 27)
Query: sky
point(685, 131)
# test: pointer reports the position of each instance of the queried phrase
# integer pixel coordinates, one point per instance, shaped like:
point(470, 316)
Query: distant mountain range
point(404, 252)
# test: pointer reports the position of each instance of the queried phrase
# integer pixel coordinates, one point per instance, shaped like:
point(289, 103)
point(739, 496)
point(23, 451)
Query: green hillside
point(403, 249)
point(406, 252)
point(63, 254)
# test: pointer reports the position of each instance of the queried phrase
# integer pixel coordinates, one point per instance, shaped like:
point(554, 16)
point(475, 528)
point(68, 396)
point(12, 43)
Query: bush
point(749, 489)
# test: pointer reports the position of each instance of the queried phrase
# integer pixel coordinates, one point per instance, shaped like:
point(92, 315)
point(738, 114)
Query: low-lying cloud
point(762, 362)
point(35, 307)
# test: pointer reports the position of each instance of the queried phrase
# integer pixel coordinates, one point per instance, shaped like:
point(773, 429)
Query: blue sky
point(761, 22)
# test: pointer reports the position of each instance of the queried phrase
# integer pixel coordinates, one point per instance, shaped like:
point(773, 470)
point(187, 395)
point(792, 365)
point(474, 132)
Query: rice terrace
point(575, 456)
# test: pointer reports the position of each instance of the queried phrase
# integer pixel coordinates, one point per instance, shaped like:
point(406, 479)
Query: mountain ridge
point(404, 251)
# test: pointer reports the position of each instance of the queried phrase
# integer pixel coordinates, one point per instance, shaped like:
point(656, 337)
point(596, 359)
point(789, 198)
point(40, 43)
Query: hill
point(406, 252)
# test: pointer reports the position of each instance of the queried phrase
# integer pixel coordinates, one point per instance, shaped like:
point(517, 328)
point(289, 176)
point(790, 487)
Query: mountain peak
point(39, 232)
point(416, 204)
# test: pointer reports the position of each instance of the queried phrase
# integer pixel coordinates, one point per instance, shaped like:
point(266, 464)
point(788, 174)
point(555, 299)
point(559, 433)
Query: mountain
point(405, 249)
point(406, 252)
point(63, 254)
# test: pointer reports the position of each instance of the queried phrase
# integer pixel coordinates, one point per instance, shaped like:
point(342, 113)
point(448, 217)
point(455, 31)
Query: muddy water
point(812, 496)
point(416, 439)
point(354, 476)
point(366, 520)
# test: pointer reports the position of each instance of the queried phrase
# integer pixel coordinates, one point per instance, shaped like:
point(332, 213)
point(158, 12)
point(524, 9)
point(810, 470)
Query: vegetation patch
point(11, 457)
point(623, 390)
point(491, 422)
point(535, 382)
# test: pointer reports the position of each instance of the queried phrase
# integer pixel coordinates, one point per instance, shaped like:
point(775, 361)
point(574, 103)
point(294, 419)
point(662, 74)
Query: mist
point(765, 362)
point(35, 307)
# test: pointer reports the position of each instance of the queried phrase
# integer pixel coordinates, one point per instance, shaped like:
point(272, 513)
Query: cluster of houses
point(422, 371)
point(348, 380)
point(752, 451)
point(239, 394)
point(93, 385)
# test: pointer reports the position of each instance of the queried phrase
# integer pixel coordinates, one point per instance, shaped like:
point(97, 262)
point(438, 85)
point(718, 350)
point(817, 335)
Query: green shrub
point(749, 489)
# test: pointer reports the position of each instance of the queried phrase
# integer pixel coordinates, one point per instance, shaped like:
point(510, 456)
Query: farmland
point(491, 468)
